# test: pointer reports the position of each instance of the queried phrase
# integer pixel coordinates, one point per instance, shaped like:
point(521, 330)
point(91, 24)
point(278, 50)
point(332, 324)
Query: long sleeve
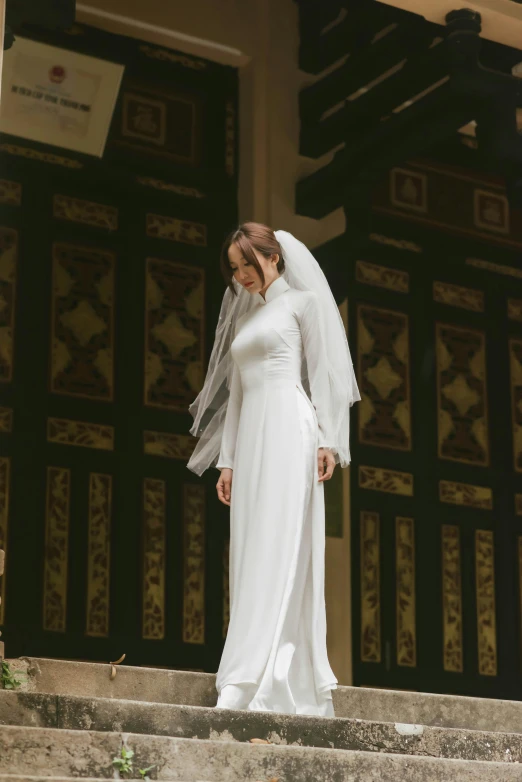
point(228, 441)
point(313, 336)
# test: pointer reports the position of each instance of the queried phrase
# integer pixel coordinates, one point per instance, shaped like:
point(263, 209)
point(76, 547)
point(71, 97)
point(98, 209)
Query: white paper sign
point(58, 97)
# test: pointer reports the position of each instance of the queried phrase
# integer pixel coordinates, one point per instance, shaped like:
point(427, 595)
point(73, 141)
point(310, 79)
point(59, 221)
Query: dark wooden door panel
point(435, 325)
point(113, 290)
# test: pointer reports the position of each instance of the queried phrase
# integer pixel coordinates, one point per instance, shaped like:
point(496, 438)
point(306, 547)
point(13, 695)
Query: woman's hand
point(224, 485)
point(325, 463)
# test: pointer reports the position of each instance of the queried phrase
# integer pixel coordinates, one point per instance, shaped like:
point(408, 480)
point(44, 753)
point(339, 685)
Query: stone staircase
point(71, 719)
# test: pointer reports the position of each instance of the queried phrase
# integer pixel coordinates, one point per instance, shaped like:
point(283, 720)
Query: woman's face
point(245, 274)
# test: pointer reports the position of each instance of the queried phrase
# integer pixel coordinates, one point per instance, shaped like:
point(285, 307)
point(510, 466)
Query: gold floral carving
point(384, 378)
point(194, 564)
point(462, 395)
point(165, 55)
point(498, 268)
point(399, 244)
point(226, 588)
point(486, 612)
point(42, 157)
point(99, 555)
point(154, 559)
point(174, 334)
point(382, 277)
point(514, 309)
point(451, 599)
point(5, 465)
point(10, 192)
point(81, 433)
point(88, 212)
point(457, 296)
point(163, 227)
point(465, 494)
point(405, 575)
point(8, 263)
point(515, 360)
point(370, 588)
point(171, 446)
point(6, 421)
point(56, 549)
point(82, 322)
point(390, 481)
point(159, 184)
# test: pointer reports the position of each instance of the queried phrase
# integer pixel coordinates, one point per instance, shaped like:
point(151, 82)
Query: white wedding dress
point(275, 656)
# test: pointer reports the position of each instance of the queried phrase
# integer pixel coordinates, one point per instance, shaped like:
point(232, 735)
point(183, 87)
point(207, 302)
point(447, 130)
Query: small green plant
point(124, 763)
point(143, 772)
point(10, 680)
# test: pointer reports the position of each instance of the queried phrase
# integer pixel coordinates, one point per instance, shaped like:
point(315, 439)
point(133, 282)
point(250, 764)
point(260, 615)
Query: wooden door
point(436, 302)
point(111, 283)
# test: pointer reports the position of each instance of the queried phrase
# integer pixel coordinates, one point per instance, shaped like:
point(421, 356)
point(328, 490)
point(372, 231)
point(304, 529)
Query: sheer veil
point(208, 410)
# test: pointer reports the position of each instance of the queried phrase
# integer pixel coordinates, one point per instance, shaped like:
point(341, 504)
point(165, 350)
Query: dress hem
point(319, 690)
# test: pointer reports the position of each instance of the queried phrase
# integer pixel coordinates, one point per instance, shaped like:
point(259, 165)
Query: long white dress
point(275, 656)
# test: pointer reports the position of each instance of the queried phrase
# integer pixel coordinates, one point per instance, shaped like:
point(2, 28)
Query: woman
point(273, 416)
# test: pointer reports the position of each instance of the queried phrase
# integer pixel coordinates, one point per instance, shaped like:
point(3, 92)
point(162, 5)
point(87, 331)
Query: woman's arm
point(314, 342)
point(228, 440)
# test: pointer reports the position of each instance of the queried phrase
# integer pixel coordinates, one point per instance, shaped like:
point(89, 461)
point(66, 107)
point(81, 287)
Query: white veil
point(209, 408)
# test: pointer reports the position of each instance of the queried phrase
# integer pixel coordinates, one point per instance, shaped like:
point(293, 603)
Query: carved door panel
point(436, 531)
point(111, 280)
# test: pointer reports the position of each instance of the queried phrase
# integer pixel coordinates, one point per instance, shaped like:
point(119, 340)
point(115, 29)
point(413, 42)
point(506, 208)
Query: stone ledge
point(134, 683)
point(26, 778)
point(198, 689)
point(61, 753)
point(195, 722)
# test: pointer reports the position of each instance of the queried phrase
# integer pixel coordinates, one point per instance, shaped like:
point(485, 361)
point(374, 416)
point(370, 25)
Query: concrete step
point(69, 712)
point(61, 753)
point(157, 685)
point(27, 778)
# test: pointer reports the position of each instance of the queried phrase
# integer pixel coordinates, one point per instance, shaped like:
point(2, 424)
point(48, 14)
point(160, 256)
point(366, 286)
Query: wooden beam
point(364, 66)
point(318, 14)
point(501, 19)
point(404, 135)
point(363, 112)
point(319, 50)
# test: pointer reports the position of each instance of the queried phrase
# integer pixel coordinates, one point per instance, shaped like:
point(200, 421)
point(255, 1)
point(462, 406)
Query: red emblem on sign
point(57, 74)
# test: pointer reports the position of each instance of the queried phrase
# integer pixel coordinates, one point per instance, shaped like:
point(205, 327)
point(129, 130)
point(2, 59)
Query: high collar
point(278, 286)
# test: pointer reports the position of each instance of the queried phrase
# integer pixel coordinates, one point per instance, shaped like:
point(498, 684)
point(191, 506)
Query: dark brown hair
point(250, 237)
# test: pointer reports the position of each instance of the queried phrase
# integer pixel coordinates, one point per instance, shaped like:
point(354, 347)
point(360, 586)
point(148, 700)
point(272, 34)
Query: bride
point(273, 417)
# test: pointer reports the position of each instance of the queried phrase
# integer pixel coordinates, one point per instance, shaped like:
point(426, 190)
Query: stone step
point(69, 712)
point(157, 685)
point(88, 754)
point(28, 778)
